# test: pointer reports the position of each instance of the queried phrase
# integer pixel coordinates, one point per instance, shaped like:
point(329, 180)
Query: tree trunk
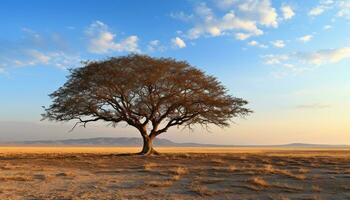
point(148, 146)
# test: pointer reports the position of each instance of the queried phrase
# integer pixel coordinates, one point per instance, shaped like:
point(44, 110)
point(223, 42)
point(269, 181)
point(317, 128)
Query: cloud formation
point(308, 59)
point(305, 38)
point(178, 43)
point(33, 57)
point(342, 8)
point(316, 11)
point(155, 45)
point(321, 7)
point(37, 50)
point(241, 18)
point(324, 56)
point(102, 40)
point(287, 12)
point(278, 43)
point(273, 59)
point(255, 43)
point(327, 27)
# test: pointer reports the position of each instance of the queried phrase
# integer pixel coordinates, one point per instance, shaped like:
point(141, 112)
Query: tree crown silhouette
point(150, 94)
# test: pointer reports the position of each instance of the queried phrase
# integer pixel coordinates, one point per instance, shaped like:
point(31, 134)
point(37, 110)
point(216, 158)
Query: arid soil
point(104, 173)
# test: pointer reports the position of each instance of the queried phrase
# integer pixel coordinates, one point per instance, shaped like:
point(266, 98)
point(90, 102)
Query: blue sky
point(290, 59)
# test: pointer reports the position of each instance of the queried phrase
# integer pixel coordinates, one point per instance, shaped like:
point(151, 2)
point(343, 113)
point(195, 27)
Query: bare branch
point(145, 93)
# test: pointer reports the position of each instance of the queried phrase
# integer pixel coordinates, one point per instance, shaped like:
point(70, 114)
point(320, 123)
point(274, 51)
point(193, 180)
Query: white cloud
point(321, 8)
point(155, 45)
point(322, 57)
point(241, 18)
point(214, 31)
point(317, 11)
point(182, 16)
point(288, 65)
point(263, 46)
point(287, 12)
point(212, 26)
point(225, 4)
point(242, 36)
point(344, 9)
point(259, 10)
point(33, 37)
point(272, 59)
point(154, 42)
point(305, 38)
point(101, 40)
point(327, 27)
point(178, 42)
point(231, 22)
point(35, 49)
point(63, 60)
point(33, 57)
point(327, 2)
point(255, 43)
point(278, 43)
point(308, 60)
point(39, 57)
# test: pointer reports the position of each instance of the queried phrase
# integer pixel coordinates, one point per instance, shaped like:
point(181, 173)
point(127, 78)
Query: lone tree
point(150, 94)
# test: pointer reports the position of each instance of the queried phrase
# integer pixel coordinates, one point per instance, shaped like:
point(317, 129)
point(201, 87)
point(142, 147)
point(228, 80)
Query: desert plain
point(74, 173)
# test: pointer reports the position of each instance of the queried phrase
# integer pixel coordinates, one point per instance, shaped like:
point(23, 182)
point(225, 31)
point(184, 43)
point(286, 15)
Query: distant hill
point(305, 145)
point(133, 141)
point(106, 141)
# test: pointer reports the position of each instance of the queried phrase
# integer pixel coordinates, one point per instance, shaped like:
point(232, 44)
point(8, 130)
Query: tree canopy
point(150, 94)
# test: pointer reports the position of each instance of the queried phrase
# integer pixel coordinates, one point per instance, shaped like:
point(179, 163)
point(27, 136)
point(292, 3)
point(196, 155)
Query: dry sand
point(178, 173)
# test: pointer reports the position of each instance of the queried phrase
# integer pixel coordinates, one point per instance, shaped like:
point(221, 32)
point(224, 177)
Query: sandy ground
point(178, 173)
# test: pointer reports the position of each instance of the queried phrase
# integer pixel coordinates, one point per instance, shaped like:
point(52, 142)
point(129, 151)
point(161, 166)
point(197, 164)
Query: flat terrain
point(178, 173)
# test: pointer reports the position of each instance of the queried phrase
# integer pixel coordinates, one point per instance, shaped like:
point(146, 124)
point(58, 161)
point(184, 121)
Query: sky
point(289, 59)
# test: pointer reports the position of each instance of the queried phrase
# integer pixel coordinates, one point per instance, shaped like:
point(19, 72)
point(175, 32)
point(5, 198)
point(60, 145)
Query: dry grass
point(295, 176)
point(281, 198)
point(218, 161)
point(316, 188)
point(40, 176)
point(176, 172)
point(258, 181)
point(175, 177)
point(316, 198)
point(211, 180)
point(15, 178)
point(243, 157)
point(150, 166)
point(163, 183)
point(79, 173)
point(200, 189)
point(270, 169)
point(179, 171)
point(303, 170)
point(182, 151)
point(287, 187)
point(6, 167)
point(232, 168)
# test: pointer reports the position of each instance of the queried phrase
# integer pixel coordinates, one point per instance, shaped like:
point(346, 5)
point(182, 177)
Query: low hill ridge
point(134, 141)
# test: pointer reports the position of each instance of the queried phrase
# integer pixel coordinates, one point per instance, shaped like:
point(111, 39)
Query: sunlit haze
point(289, 59)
